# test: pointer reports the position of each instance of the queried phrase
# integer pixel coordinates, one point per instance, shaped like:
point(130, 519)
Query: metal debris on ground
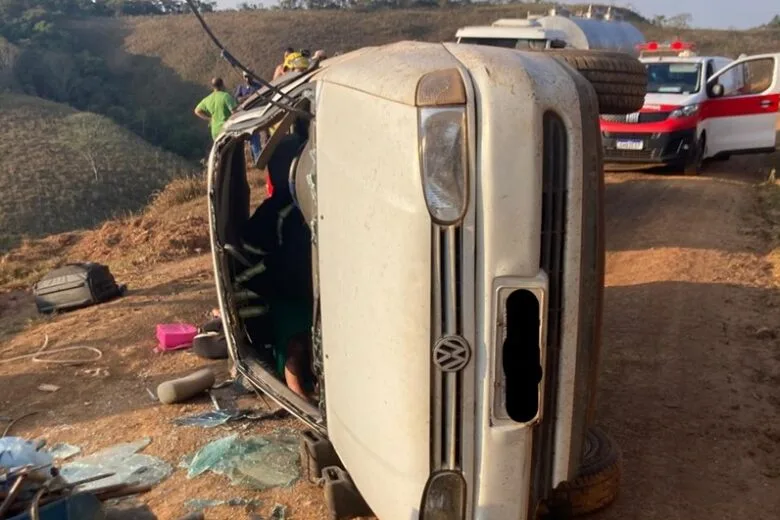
point(45, 387)
point(256, 462)
point(32, 488)
point(124, 461)
point(83, 506)
point(279, 512)
point(62, 451)
point(199, 504)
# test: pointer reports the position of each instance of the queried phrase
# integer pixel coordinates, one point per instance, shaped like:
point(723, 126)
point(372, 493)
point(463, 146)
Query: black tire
point(620, 80)
point(598, 481)
point(695, 164)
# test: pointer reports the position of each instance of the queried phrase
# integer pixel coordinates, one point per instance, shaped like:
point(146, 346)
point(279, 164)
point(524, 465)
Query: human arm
point(202, 112)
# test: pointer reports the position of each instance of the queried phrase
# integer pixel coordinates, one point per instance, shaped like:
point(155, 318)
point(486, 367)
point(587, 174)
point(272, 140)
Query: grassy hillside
point(259, 37)
point(61, 169)
point(165, 62)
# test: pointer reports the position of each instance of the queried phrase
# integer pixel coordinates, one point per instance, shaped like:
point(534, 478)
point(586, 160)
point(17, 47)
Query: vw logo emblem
point(451, 353)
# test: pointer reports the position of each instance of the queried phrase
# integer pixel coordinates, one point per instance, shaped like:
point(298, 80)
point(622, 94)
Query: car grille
point(450, 352)
point(613, 153)
point(551, 261)
point(636, 117)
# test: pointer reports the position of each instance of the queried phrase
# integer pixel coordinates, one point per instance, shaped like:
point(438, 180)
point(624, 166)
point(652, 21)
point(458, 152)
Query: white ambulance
point(697, 108)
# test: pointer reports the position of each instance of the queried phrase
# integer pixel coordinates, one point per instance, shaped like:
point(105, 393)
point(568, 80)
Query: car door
point(741, 115)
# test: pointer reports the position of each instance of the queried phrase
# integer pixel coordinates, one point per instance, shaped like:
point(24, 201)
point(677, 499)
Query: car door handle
point(766, 103)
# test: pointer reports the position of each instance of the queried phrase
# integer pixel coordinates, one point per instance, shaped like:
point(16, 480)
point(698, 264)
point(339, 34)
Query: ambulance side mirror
point(716, 90)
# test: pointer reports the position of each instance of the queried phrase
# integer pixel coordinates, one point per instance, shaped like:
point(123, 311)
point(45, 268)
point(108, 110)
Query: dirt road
point(690, 383)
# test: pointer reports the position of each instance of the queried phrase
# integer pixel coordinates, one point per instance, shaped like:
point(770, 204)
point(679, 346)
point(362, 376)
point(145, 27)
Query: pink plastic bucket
point(174, 336)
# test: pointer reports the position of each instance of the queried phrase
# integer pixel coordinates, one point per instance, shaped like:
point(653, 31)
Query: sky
point(717, 14)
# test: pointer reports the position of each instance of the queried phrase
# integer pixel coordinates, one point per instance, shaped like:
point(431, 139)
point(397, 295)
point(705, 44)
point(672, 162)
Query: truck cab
point(696, 108)
point(454, 198)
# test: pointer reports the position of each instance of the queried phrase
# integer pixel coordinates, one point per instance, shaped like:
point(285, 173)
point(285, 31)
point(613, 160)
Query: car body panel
point(514, 92)
point(387, 72)
point(742, 123)
point(375, 322)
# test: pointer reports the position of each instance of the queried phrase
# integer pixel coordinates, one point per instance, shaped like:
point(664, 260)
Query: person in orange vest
point(279, 71)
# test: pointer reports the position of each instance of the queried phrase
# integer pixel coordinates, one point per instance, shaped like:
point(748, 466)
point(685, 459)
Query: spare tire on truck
point(620, 80)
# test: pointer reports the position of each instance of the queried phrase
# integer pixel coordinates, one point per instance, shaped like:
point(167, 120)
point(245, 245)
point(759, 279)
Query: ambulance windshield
point(673, 78)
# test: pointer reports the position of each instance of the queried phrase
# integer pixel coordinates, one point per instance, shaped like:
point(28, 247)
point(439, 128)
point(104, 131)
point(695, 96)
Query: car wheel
point(597, 483)
point(695, 164)
point(620, 80)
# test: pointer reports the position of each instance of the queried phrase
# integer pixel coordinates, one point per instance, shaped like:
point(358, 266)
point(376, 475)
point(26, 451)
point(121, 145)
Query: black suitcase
point(74, 286)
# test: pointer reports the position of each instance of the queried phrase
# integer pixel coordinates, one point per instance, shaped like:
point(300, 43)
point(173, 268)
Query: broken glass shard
point(124, 461)
point(208, 419)
point(255, 462)
point(62, 451)
point(199, 504)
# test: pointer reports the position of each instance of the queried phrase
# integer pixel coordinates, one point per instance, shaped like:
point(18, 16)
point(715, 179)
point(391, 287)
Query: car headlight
point(441, 97)
point(443, 160)
point(685, 111)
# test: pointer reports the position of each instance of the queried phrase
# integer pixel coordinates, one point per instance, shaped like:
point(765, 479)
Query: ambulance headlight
point(686, 111)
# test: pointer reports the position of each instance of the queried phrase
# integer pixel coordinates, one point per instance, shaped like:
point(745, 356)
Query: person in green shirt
point(216, 107)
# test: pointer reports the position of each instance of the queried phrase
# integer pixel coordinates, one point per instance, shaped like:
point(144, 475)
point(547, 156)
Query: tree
point(87, 136)
point(679, 21)
point(775, 22)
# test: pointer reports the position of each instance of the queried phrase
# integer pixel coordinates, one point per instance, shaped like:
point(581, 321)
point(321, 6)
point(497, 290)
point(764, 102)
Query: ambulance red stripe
point(740, 106)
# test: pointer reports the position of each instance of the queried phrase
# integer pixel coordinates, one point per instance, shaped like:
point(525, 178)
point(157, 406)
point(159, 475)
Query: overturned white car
point(452, 199)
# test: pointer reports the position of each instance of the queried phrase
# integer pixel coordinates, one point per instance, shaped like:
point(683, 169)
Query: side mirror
point(716, 90)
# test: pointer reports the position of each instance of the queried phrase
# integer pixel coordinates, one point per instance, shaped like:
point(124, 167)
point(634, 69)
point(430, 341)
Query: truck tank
point(595, 33)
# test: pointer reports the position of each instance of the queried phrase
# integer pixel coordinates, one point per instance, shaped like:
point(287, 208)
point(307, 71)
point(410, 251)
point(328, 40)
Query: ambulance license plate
point(630, 145)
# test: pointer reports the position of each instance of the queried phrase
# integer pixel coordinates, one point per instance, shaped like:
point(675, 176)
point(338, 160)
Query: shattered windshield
point(673, 78)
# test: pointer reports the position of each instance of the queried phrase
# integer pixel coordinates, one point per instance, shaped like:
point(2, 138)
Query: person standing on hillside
point(243, 91)
point(216, 107)
point(246, 89)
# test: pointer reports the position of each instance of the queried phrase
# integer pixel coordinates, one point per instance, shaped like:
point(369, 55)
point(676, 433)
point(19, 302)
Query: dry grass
point(173, 227)
point(62, 170)
point(178, 192)
point(721, 42)
point(258, 38)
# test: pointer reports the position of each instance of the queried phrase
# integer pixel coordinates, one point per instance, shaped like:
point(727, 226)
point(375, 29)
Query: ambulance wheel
point(620, 80)
point(695, 163)
point(597, 483)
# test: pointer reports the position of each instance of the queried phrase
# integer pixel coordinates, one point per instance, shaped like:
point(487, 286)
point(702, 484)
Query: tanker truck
point(619, 79)
point(593, 30)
